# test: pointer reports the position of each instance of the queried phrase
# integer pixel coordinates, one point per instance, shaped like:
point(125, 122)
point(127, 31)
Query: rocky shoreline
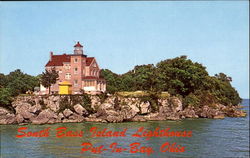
point(60, 109)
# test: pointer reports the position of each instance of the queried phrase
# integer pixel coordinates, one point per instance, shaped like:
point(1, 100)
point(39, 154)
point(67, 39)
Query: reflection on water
point(211, 138)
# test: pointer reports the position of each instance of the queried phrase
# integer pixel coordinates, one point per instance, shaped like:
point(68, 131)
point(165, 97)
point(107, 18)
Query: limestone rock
point(189, 112)
point(3, 111)
point(35, 109)
point(44, 117)
point(177, 104)
point(76, 117)
point(145, 108)
point(80, 110)
point(8, 119)
point(67, 112)
point(19, 118)
point(134, 108)
point(138, 118)
point(24, 110)
point(219, 116)
point(174, 117)
point(95, 120)
point(113, 116)
point(128, 114)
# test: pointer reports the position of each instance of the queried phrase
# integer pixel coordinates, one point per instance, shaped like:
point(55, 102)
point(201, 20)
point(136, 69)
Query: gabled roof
point(58, 60)
point(89, 60)
point(78, 45)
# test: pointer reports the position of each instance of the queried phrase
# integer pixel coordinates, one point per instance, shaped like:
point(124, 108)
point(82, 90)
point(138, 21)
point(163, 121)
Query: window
point(75, 72)
point(67, 66)
point(87, 83)
point(67, 76)
point(75, 60)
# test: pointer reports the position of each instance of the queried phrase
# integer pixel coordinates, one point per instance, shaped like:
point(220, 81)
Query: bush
point(86, 103)
point(191, 100)
point(102, 97)
point(65, 103)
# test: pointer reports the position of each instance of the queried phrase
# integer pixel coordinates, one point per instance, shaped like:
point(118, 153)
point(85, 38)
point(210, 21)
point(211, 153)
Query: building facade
point(81, 71)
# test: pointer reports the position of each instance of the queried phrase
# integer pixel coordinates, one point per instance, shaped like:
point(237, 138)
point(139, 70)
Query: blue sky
point(124, 34)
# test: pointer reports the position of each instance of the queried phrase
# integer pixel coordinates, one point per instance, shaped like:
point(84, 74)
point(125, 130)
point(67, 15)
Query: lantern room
point(78, 48)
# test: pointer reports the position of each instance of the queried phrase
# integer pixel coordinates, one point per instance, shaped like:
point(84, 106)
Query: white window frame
point(67, 76)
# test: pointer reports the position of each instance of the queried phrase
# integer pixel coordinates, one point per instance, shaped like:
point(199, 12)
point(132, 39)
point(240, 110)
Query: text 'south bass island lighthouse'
point(80, 71)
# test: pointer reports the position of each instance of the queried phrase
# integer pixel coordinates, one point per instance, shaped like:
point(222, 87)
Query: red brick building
point(81, 71)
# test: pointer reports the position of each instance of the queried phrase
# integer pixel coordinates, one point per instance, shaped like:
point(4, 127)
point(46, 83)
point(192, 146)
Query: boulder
point(176, 104)
point(145, 107)
point(106, 106)
point(80, 110)
point(189, 112)
point(174, 117)
point(221, 116)
point(53, 105)
point(113, 116)
point(11, 119)
point(68, 121)
point(44, 117)
point(3, 111)
point(95, 120)
point(59, 118)
point(128, 114)
point(35, 109)
point(25, 110)
point(134, 108)
point(152, 116)
point(67, 112)
point(76, 117)
point(138, 118)
point(19, 118)
point(8, 119)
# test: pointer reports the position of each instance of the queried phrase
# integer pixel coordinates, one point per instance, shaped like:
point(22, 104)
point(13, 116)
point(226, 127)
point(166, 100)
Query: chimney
point(51, 54)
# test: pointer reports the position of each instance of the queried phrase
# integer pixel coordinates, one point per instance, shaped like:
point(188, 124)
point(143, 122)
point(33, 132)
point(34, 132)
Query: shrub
point(103, 97)
point(86, 103)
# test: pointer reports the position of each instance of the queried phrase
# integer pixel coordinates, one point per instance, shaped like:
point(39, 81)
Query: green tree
point(223, 77)
point(113, 80)
point(144, 77)
point(180, 75)
point(222, 90)
point(18, 82)
point(49, 77)
point(13, 84)
point(5, 97)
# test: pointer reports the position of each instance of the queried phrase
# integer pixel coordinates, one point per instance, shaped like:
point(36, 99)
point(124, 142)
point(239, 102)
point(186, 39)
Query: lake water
point(228, 137)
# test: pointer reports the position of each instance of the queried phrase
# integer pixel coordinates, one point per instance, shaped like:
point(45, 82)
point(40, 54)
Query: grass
point(141, 94)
